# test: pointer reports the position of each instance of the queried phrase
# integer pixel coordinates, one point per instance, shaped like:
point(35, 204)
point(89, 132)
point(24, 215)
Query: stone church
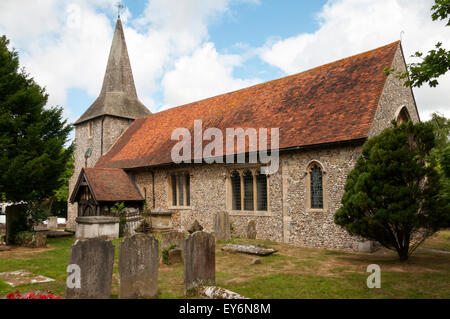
point(324, 115)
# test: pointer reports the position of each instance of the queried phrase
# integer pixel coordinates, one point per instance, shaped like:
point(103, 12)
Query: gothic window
point(180, 189)
point(403, 116)
point(236, 191)
point(316, 191)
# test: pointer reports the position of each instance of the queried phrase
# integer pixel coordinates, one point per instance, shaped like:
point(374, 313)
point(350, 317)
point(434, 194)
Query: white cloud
point(348, 27)
point(64, 44)
point(203, 74)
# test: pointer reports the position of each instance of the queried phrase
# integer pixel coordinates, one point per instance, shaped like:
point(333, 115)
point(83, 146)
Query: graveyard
point(290, 272)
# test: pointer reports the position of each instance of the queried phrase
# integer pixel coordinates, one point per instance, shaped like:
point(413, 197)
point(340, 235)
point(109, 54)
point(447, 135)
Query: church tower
point(109, 116)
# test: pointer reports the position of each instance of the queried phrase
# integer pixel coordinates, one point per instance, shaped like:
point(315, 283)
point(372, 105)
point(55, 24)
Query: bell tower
point(109, 116)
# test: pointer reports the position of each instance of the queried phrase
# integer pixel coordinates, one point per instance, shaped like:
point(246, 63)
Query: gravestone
point(195, 227)
point(15, 222)
point(222, 229)
point(175, 256)
point(251, 230)
point(52, 223)
point(138, 267)
point(199, 261)
point(95, 259)
point(172, 238)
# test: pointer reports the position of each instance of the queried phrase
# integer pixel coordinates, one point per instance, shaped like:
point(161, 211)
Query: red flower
point(11, 296)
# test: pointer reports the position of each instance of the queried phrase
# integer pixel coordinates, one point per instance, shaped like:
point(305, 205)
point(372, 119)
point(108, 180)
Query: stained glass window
point(316, 188)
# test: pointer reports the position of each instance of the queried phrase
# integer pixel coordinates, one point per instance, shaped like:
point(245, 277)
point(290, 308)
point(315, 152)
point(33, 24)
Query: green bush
point(23, 238)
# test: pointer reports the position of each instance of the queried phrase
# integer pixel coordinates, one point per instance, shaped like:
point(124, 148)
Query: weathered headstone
point(175, 256)
point(172, 238)
point(222, 229)
point(38, 241)
point(366, 246)
point(95, 259)
point(251, 230)
point(52, 223)
point(199, 261)
point(195, 227)
point(138, 267)
point(15, 222)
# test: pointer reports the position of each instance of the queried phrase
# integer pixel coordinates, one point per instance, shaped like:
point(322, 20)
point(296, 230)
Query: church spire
point(118, 96)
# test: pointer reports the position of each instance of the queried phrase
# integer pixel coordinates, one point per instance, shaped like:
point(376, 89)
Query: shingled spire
point(118, 96)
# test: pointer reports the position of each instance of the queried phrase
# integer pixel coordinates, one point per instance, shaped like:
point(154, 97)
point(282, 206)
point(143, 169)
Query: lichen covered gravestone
point(52, 223)
point(199, 261)
point(172, 239)
point(138, 267)
point(222, 229)
point(195, 227)
point(251, 230)
point(95, 259)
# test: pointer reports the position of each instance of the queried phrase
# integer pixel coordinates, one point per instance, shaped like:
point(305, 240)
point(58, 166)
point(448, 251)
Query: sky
point(185, 50)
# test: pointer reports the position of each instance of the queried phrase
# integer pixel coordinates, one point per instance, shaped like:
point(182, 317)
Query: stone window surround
point(310, 165)
point(241, 169)
point(400, 111)
point(178, 172)
point(90, 130)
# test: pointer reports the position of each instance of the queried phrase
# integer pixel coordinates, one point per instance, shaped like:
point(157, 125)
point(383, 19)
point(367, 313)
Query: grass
point(293, 272)
point(439, 241)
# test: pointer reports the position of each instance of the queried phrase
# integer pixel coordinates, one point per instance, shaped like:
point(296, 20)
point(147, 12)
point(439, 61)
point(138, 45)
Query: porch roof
point(108, 185)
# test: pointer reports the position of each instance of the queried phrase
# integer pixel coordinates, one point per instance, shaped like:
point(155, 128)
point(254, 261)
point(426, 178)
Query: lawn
point(293, 272)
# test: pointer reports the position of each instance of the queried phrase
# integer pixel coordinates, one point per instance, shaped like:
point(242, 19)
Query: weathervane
point(119, 8)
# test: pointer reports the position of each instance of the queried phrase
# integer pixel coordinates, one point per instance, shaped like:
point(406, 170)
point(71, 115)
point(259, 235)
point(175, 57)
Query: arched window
point(261, 191)
point(403, 116)
point(316, 187)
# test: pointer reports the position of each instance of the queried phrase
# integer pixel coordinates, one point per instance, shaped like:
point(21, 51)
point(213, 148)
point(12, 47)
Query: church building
point(324, 116)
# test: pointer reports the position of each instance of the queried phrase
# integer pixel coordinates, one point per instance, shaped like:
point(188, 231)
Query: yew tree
point(392, 195)
point(33, 137)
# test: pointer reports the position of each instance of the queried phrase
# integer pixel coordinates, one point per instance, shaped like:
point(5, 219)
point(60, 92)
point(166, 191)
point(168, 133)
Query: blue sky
point(185, 50)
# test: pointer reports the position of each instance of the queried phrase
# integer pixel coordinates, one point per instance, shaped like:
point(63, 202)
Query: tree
point(437, 62)
point(441, 154)
point(392, 194)
point(33, 155)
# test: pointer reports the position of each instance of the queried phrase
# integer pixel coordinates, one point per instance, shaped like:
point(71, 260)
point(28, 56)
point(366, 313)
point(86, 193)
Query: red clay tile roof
point(332, 103)
point(111, 185)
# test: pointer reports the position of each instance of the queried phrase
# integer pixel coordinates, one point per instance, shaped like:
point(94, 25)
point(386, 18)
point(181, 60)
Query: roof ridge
point(282, 78)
